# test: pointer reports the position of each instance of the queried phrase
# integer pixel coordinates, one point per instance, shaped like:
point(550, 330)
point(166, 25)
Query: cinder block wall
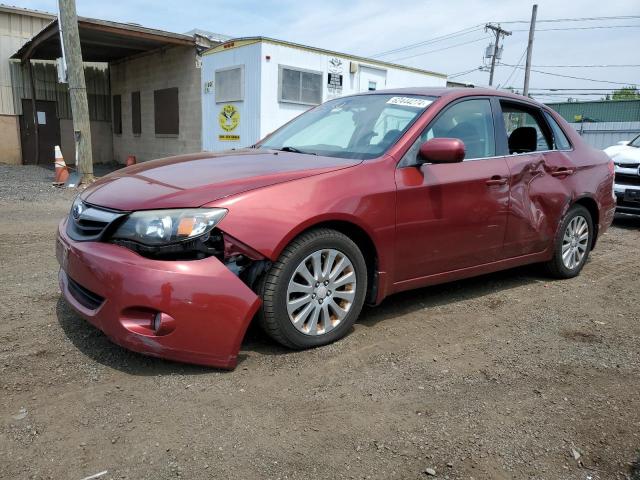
point(167, 68)
point(101, 142)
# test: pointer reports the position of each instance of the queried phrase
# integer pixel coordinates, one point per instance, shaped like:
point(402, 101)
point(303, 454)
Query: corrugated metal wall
point(48, 88)
point(15, 30)
point(604, 134)
point(599, 111)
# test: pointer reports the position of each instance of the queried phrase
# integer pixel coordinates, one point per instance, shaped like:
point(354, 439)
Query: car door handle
point(496, 180)
point(562, 172)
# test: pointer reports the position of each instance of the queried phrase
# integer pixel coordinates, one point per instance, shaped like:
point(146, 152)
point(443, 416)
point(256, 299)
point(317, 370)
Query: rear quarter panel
point(593, 178)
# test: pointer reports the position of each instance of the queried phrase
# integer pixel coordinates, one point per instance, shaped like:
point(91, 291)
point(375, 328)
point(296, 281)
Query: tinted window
point(524, 129)
point(470, 121)
point(560, 140)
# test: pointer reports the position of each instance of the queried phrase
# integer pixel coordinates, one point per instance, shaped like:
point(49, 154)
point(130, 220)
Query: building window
point(229, 85)
point(373, 86)
point(166, 111)
point(136, 117)
point(117, 114)
point(299, 86)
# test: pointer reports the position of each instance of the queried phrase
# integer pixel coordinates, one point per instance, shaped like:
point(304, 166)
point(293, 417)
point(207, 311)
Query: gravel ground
point(506, 376)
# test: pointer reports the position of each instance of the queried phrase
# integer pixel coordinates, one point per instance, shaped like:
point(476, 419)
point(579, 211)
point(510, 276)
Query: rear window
point(560, 140)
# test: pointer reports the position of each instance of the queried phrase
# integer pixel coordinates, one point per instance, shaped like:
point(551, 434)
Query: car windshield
point(635, 142)
point(360, 127)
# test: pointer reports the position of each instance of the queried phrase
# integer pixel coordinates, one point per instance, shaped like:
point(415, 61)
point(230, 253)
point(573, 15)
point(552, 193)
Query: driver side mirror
point(441, 150)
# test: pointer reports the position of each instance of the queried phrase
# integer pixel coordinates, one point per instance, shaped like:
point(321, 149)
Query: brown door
point(48, 132)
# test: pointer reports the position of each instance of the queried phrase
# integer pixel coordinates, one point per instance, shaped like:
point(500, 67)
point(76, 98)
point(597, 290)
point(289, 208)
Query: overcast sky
point(369, 27)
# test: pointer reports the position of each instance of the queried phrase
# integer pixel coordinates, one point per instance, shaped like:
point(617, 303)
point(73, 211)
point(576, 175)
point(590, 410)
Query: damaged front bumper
point(194, 311)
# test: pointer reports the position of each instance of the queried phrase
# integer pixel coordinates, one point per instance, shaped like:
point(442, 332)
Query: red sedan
point(357, 199)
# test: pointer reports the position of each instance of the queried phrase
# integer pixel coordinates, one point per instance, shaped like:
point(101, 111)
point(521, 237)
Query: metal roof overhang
point(101, 41)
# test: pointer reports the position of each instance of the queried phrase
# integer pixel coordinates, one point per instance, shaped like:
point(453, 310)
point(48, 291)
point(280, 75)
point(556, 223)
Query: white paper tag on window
point(410, 102)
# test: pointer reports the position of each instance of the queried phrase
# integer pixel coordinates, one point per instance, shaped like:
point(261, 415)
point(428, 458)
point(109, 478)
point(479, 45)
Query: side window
point(525, 132)
point(470, 121)
point(560, 140)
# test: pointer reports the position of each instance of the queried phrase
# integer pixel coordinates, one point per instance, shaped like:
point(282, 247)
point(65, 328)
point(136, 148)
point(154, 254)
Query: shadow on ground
point(628, 222)
point(95, 345)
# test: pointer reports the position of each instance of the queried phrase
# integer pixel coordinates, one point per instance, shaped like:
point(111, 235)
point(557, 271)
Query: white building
point(251, 86)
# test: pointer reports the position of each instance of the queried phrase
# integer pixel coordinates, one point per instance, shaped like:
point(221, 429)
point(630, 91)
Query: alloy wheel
point(575, 242)
point(321, 292)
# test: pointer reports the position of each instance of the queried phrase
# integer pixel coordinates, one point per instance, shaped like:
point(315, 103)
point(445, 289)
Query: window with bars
point(299, 86)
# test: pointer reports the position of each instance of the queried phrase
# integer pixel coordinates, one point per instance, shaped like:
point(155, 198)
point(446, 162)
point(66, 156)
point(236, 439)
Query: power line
point(514, 67)
point(459, 74)
point(448, 36)
point(593, 27)
point(579, 19)
point(576, 78)
point(579, 66)
point(439, 49)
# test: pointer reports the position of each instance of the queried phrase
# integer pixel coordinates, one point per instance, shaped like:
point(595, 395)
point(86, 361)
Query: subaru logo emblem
point(78, 208)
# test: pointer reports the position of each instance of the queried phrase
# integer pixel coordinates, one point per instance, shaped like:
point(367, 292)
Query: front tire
point(314, 292)
point(572, 243)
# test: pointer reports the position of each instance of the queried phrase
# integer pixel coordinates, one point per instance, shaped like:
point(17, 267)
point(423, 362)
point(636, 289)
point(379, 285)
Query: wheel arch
point(592, 207)
point(358, 234)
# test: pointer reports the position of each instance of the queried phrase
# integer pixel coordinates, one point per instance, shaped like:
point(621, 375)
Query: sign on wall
point(228, 119)
point(335, 79)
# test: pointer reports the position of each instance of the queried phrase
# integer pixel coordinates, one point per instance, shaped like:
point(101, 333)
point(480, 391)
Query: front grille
point(91, 224)
point(84, 297)
point(627, 179)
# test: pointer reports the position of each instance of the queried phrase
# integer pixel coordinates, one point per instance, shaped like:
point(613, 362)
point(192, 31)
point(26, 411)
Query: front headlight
point(163, 227)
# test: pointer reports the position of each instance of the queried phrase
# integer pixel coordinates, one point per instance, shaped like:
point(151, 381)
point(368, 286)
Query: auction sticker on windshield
point(410, 102)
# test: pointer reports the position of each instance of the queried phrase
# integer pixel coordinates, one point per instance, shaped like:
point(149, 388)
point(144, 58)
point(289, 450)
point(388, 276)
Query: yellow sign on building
point(229, 118)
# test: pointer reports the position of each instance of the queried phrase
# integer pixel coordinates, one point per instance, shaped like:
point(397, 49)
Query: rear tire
point(572, 244)
point(314, 292)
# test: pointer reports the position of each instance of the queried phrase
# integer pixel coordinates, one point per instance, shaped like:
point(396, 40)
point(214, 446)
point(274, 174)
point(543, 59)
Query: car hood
point(624, 154)
point(194, 180)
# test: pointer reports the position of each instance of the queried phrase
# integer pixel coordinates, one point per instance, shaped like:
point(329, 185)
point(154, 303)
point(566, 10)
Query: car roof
point(456, 92)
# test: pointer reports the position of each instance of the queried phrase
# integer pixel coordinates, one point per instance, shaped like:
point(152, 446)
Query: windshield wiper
point(295, 150)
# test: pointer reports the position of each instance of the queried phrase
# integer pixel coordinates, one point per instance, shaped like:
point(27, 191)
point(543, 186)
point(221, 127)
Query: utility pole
point(527, 69)
point(68, 24)
point(499, 33)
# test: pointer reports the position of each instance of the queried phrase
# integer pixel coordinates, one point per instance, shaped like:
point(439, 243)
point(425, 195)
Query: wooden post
point(527, 68)
point(68, 24)
point(496, 47)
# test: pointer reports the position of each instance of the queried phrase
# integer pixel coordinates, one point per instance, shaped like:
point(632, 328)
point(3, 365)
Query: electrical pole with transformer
point(527, 70)
point(74, 69)
point(499, 32)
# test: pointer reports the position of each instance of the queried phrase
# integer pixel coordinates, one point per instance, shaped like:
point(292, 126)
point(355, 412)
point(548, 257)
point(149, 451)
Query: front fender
point(268, 219)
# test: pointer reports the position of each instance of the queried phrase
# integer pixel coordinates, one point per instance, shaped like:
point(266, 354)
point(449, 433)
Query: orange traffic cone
point(131, 160)
point(61, 168)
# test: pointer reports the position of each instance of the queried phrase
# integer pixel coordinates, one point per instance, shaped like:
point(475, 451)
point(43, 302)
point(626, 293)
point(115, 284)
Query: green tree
point(626, 93)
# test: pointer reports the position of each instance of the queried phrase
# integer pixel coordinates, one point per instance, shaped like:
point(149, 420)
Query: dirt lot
point(504, 376)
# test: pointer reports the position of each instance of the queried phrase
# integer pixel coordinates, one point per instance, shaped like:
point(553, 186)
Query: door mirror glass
point(442, 150)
